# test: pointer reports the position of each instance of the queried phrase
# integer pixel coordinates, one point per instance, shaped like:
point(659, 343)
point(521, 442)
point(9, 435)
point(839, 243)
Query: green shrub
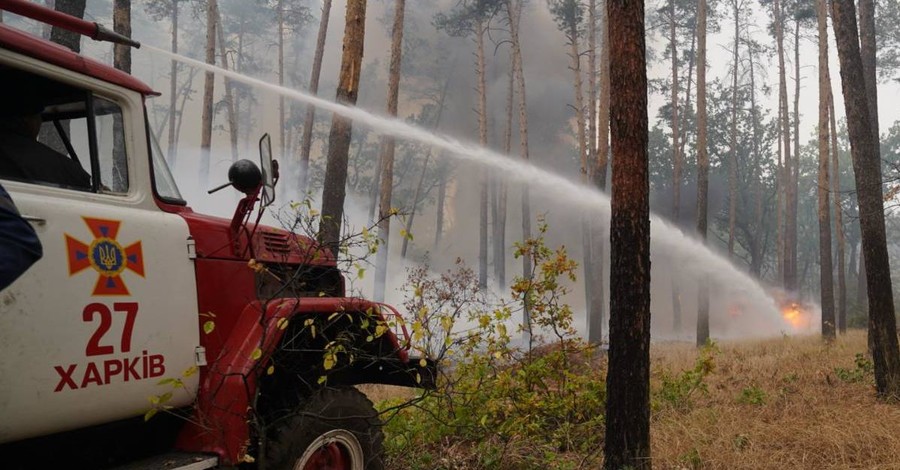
point(676, 391)
point(752, 395)
point(864, 368)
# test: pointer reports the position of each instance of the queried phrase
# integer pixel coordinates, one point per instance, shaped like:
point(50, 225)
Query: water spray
point(692, 255)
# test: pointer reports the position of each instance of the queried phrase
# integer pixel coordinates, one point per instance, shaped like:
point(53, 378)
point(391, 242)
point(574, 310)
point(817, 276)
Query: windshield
point(165, 183)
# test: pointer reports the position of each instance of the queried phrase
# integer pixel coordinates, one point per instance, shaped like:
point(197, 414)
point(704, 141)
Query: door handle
point(34, 220)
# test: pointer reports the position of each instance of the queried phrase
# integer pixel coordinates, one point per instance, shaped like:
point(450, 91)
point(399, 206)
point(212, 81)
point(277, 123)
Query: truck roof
point(46, 51)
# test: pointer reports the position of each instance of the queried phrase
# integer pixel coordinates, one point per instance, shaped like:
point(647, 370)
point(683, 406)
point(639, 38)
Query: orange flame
point(796, 315)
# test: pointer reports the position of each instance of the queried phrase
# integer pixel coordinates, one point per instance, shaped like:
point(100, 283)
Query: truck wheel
point(337, 428)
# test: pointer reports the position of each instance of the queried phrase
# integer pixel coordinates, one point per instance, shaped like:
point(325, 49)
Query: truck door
point(88, 333)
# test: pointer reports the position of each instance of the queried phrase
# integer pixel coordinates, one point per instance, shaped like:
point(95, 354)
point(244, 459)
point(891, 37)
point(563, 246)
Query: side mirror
point(245, 176)
point(269, 170)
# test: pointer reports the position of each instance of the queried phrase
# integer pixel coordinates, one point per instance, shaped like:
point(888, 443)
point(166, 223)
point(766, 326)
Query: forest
point(632, 233)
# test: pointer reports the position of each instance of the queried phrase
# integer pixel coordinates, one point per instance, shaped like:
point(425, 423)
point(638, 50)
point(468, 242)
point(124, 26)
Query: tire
point(336, 428)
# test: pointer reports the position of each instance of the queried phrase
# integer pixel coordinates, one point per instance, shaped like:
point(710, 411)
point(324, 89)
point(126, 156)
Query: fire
point(798, 317)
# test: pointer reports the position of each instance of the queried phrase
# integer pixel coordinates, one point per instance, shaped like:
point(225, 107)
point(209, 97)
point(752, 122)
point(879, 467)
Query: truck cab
point(147, 328)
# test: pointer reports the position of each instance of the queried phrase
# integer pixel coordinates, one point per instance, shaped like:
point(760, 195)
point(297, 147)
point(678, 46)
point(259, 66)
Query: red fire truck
point(153, 336)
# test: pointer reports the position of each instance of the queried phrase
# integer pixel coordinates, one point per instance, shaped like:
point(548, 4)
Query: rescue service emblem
point(106, 256)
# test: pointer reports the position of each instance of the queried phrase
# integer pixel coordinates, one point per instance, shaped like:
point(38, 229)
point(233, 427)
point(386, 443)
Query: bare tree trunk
point(758, 254)
point(676, 158)
point(794, 173)
point(212, 12)
point(867, 168)
point(514, 11)
point(279, 15)
point(779, 199)
point(867, 50)
point(593, 267)
point(65, 37)
point(481, 86)
point(702, 168)
point(826, 271)
point(387, 153)
point(598, 248)
point(173, 95)
point(310, 119)
point(500, 217)
point(122, 25)
point(439, 223)
point(335, 189)
point(838, 213)
point(572, 36)
point(627, 442)
point(789, 281)
point(732, 163)
point(229, 94)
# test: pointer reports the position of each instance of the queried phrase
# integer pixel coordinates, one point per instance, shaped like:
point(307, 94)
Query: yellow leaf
point(257, 353)
point(282, 323)
point(270, 370)
point(209, 326)
point(189, 371)
point(150, 413)
point(322, 380)
point(329, 361)
point(423, 362)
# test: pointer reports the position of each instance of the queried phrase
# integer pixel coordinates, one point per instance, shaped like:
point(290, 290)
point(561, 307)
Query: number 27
point(130, 310)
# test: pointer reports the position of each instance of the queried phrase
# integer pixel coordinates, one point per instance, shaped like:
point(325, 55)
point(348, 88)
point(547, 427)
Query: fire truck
point(152, 336)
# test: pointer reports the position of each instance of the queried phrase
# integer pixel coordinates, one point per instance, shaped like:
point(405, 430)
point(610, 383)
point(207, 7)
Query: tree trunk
point(335, 189)
point(480, 71)
point(212, 12)
point(732, 161)
point(173, 95)
point(838, 213)
point(676, 159)
point(387, 153)
point(592, 263)
point(627, 442)
point(306, 140)
point(500, 218)
point(65, 37)
point(572, 36)
point(867, 50)
point(279, 15)
point(826, 271)
point(867, 169)
point(789, 281)
point(439, 223)
point(121, 61)
point(514, 11)
point(598, 245)
point(794, 172)
point(702, 169)
point(122, 25)
point(229, 94)
point(757, 256)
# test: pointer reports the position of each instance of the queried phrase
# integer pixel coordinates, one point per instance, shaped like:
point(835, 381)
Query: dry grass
point(806, 417)
point(809, 417)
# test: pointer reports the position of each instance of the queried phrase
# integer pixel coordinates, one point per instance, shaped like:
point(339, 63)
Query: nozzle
point(104, 34)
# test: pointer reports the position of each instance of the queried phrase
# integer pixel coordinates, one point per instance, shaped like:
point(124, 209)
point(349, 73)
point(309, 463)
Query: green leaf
point(190, 371)
point(165, 397)
point(150, 413)
point(209, 326)
point(256, 354)
point(168, 381)
point(322, 380)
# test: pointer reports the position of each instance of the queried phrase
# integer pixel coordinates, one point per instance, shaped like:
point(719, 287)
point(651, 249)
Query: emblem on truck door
point(106, 256)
